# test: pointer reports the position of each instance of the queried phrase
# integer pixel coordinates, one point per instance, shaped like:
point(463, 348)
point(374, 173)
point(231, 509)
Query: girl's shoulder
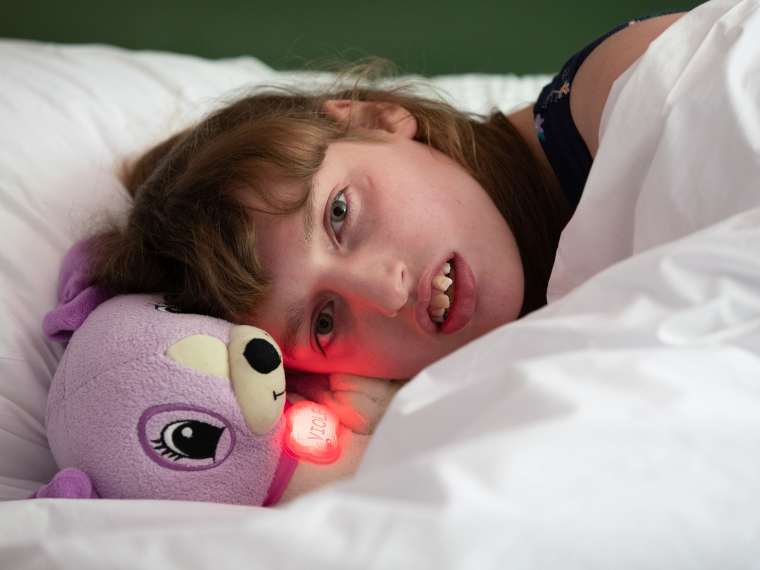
point(609, 60)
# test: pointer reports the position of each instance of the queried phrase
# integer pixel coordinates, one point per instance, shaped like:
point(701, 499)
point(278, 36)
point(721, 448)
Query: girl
point(369, 231)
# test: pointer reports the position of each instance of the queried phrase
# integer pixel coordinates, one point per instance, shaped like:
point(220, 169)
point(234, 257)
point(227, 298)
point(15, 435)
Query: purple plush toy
point(148, 403)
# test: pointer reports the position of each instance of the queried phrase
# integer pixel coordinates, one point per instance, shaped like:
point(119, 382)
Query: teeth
point(440, 301)
point(441, 283)
point(443, 294)
point(450, 290)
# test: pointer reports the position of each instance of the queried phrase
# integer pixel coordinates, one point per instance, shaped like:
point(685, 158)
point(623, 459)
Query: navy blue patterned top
point(562, 143)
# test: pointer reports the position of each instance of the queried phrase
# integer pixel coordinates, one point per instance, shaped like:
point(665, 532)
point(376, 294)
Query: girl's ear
point(374, 116)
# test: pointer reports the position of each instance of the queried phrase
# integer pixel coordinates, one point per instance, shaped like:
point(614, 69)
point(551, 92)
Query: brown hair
point(189, 237)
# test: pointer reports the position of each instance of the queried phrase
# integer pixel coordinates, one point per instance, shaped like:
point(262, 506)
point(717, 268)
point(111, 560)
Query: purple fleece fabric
point(125, 419)
point(119, 410)
point(67, 484)
point(77, 298)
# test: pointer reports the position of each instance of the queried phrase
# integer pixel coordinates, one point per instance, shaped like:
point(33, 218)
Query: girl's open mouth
point(452, 302)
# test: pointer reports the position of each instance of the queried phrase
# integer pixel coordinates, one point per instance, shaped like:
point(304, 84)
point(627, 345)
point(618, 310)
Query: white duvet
point(619, 427)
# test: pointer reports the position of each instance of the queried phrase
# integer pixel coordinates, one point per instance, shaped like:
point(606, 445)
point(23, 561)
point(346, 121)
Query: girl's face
point(352, 274)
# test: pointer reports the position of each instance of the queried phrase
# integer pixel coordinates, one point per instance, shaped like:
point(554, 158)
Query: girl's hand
point(358, 401)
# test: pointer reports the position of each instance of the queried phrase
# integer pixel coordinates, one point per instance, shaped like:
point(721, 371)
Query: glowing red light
point(312, 433)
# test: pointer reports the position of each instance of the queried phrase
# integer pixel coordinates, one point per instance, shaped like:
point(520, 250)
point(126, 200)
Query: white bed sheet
point(619, 427)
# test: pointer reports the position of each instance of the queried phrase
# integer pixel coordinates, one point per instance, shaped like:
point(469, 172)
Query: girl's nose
point(378, 283)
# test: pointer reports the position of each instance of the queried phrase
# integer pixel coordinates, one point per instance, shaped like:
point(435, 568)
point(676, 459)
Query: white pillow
point(69, 115)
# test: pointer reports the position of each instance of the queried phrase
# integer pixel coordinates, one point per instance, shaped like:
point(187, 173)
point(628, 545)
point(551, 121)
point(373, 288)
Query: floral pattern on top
point(563, 145)
point(538, 121)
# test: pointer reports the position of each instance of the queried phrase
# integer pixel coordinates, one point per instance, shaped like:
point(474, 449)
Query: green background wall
point(519, 36)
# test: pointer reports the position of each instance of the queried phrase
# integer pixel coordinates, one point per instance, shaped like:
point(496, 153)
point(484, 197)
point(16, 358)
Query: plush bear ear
point(67, 484)
point(77, 298)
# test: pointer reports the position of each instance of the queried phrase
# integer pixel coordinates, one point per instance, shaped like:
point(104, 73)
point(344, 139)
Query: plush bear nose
point(262, 356)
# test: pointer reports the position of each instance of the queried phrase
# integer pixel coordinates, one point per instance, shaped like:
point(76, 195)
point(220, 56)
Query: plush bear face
point(158, 405)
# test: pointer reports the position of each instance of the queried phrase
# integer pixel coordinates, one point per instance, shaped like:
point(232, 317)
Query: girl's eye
point(338, 212)
point(323, 327)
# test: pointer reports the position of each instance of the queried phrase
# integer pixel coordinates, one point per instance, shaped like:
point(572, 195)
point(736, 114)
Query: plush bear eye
point(188, 438)
point(182, 437)
point(262, 356)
